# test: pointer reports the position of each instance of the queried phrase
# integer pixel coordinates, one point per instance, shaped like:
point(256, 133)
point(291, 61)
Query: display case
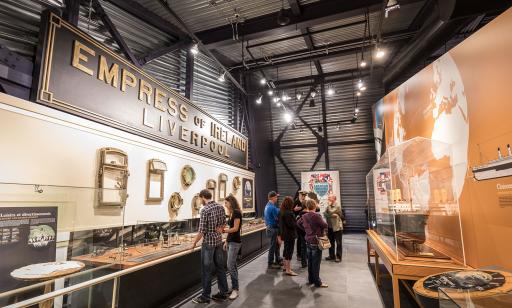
point(413, 201)
point(42, 228)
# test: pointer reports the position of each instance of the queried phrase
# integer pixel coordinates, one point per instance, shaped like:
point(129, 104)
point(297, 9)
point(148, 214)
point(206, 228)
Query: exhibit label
point(82, 76)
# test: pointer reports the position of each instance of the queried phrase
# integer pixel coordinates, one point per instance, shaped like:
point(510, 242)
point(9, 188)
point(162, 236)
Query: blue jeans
point(213, 257)
point(233, 249)
point(314, 259)
point(273, 250)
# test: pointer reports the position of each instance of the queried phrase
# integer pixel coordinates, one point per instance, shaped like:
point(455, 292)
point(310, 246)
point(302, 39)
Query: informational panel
point(81, 76)
point(323, 183)
point(247, 195)
point(27, 236)
point(381, 186)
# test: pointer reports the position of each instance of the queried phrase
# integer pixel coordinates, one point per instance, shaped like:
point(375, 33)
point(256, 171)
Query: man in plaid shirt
point(211, 223)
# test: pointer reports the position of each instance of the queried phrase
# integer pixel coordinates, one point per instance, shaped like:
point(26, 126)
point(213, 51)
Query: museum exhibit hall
point(255, 153)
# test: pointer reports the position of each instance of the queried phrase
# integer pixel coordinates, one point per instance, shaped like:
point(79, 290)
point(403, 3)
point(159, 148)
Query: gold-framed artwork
point(211, 185)
point(222, 188)
point(112, 177)
point(155, 182)
point(188, 176)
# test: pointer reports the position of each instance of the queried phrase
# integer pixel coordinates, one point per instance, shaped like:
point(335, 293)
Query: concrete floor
point(350, 283)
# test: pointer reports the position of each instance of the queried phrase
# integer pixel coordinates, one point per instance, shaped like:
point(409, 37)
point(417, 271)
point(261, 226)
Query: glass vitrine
point(413, 200)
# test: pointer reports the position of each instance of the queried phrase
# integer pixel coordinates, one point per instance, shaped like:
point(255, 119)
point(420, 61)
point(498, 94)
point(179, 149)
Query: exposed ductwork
point(447, 18)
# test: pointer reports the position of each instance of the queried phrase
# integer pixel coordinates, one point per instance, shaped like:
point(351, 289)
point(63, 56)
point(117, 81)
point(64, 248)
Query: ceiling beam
point(149, 17)
point(165, 6)
point(313, 14)
point(157, 53)
point(107, 22)
point(334, 50)
point(320, 80)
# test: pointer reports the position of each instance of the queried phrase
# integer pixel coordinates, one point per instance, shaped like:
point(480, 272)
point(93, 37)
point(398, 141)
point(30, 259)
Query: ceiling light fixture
point(363, 88)
point(319, 128)
point(287, 117)
point(278, 104)
point(360, 84)
point(330, 91)
point(363, 63)
point(358, 93)
point(259, 99)
point(263, 81)
point(270, 92)
point(282, 18)
point(357, 110)
point(194, 49)
point(338, 126)
point(313, 93)
point(311, 103)
point(380, 53)
point(222, 77)
point(299, 95)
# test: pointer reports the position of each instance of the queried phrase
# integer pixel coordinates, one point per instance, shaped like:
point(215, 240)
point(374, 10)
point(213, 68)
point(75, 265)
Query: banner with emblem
point(323, 184)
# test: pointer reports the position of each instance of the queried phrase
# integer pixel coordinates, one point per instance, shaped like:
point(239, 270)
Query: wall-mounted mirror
point(211, 185)
point(155, 180)
point(112, 177)
point(223, 184)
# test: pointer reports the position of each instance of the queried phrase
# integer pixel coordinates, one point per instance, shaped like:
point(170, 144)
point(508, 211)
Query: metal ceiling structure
point(319, 48)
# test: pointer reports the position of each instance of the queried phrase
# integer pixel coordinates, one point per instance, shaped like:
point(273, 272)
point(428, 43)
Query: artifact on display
point(113, 177)
point(196, 206)
point(155, 180)
point(211, 185)
point(188, 176)
point(175, 203)
point(237, 183)
point(223, 183)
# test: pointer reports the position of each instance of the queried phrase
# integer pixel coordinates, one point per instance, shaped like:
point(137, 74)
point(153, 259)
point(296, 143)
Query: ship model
point(498, 168)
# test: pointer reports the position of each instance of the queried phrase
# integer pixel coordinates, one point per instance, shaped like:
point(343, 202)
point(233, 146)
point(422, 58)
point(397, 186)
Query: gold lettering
point(159, 96)
point(226, 153)
point(145, 90)
point(204, 141)
point(145, 119)
point(194, 138)
point(183, 113)
point(161, 127)
point(110, 76)
point(127, 79)
point(173, 109)
point(220, 149)
point(244, 146)
point(79, 56)
point(172, 128)
point(183, 134)
point(212, 146)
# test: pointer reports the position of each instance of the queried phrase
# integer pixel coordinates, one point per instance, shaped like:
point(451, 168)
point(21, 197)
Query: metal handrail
point(51, 295)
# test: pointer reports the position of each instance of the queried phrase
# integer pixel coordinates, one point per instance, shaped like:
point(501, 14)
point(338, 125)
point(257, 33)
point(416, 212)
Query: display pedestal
point(403, 269)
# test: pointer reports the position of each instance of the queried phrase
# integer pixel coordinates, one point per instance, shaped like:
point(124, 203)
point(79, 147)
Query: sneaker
point(329, 258)
point(219, 297)
point(201, 300)
point(324, 285)
point(234, 295)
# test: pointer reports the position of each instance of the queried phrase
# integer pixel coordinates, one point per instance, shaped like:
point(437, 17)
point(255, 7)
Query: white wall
point(39, 145)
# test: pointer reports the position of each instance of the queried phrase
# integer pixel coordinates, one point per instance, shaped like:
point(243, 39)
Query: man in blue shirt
point(271, 221)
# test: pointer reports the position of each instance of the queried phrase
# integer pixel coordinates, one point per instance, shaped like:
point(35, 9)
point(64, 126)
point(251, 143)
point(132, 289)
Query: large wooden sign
point(81, 76)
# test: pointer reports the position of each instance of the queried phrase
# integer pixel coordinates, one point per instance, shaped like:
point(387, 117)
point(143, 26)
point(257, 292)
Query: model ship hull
point(498, 169)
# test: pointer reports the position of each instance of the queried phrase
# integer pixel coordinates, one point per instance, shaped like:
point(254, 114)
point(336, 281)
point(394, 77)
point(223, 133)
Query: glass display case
point(413, 201)
point(43, 228)
point(251, 223)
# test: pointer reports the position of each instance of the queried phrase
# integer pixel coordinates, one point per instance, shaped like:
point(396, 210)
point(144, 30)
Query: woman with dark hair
point(287, 233)
point(233, 242)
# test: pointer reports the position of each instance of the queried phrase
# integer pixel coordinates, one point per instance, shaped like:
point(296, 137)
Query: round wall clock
point(188, 175)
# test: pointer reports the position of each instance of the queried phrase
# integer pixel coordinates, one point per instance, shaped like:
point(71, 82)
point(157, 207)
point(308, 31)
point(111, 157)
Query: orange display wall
point(465, 99)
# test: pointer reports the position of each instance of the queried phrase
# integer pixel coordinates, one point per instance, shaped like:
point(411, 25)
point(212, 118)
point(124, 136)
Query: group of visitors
point(292, 222)
point(301, 222)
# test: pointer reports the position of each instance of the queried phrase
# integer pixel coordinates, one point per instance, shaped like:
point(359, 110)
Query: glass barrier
point(44, 231)
point(413, 203)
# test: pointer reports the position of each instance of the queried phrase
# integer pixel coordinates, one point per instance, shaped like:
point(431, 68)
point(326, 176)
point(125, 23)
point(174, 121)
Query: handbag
point(322, 241)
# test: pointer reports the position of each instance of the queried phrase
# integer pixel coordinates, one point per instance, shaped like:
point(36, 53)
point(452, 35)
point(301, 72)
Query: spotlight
point(270, 92)
point(311, 103)
point(313, 93)
point(363, 88)
point(299, 95)
point(319, 128)
point(278, 104)
point(301, 130)
point(258, 100)
point(222, 78)
point(338, 126)
point(293, 126)
point(276, 99)
point(358, 93)
point(357, 110)
point(354, 119)
point(287, 117)
point(360, 84)
point(380, 53)
point(194, 49)
point(285, 97)
point(363, 63)
point(330, 91)
point(263, 81)
point(282, 18)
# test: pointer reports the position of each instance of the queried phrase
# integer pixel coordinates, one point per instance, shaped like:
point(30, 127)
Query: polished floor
point(350, 283)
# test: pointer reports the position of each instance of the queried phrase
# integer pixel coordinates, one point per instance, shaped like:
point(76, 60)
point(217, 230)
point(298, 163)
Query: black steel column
point(189, 76)
point(324, 126)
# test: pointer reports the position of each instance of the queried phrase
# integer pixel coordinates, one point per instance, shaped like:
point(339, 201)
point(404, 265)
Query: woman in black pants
point(287, 233)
